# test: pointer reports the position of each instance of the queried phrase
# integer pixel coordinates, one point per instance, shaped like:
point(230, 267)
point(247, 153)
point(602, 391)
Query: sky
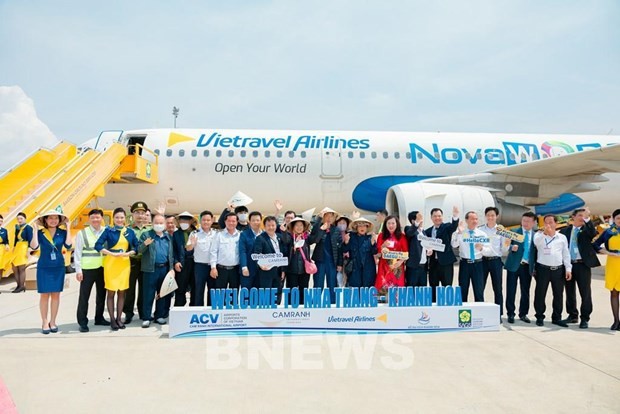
point(476, 66)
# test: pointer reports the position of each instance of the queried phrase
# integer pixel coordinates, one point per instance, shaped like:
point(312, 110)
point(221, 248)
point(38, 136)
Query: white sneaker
point(161, 321)
point(146, 324)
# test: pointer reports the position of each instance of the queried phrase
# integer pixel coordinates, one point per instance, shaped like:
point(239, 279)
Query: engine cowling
point(403, 198)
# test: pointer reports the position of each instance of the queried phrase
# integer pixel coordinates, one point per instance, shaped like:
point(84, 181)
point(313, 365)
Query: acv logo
point(204, 318)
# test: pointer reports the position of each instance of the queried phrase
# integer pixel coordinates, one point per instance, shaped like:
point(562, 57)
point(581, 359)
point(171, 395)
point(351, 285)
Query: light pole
point(175, 113)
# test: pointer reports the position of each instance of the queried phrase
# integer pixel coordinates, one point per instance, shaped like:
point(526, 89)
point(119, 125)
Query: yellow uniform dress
point(612, 269)
point(20, 251)
point(5, 257)
point(116, 269)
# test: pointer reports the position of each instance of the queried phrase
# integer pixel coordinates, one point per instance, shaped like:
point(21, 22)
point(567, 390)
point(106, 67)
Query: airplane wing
point(538, 182)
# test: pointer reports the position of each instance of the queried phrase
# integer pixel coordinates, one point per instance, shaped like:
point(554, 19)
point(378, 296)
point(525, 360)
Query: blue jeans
point(152, 285)
point(201, 274)
point(326, 270)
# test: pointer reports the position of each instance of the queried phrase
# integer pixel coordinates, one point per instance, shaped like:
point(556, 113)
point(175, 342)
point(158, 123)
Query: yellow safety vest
point(91, 258)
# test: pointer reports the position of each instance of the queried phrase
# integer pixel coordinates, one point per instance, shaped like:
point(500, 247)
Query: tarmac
point(521, 368)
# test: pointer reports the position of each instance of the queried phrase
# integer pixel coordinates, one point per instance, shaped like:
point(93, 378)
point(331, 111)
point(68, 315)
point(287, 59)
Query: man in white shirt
point(472, 244)
point(200, 242)
point(492, 261)
point(553, 265)
point(225, 255)
point(89, 270)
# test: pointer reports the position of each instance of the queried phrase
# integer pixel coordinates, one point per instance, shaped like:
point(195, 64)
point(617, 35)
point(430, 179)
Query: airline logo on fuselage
point(510, 153)
point(303, 142)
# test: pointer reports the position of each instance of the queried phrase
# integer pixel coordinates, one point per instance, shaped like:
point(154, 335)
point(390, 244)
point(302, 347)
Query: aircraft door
point(331, 164)
point(107, 138)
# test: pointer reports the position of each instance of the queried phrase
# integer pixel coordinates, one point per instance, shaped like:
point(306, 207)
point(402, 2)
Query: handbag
point(309, 265)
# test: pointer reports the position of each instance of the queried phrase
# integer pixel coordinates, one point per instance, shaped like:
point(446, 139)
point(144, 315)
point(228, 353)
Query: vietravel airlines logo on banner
point(255, 312)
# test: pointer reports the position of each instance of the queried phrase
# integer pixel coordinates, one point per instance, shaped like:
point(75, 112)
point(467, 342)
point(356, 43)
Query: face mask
point(184, 226)
point(159, 227)
point(342, 227)
point(243, 217)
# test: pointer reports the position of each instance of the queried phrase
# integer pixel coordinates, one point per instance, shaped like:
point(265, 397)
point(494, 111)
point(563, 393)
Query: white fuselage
point(345, 170)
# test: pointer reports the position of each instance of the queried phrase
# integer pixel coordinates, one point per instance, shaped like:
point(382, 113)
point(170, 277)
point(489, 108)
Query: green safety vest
point(91, 258)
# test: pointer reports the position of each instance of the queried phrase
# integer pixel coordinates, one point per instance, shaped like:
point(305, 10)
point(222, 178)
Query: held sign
point(431, 243)
point(511, 235)
point(270, 259)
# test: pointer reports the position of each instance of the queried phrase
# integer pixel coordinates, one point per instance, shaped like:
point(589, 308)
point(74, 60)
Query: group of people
point(129, 262)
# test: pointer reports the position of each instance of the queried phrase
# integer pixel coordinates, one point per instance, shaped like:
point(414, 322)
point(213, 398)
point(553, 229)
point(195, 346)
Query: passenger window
point(397, 155)
point(231, 153)
point(291, 154)
point(279, 154)
point(181, 153)
point(242, 153)
point(362, 155)
point(169, 153)
point(350, 154)
point(255, 154)
point(408, 155)
point(205, 153)
point(303, 154)
point(156, 151)
point(218, 153)
point(373, 155)
point(194, 153)
point(267, 154)
point(385, 155)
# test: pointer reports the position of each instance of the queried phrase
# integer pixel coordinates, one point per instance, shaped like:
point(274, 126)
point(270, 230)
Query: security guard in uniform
point(139, 226)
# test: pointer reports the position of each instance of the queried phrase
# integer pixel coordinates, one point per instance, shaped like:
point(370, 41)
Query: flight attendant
point(51, 265)
point(391, 272)
point(23, 236)
point(118, 243)
point(4, 246)
point(609, 244)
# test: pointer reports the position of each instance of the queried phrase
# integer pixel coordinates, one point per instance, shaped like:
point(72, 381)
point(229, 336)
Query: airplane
point(365, 170)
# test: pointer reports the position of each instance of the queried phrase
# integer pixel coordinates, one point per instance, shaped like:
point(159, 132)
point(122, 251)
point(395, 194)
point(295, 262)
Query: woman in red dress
point(391, 272)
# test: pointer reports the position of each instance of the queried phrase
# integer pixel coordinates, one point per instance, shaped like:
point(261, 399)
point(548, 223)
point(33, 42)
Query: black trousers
point(91, 277)
point(135, 276)
point(439, 274)
point(544, 275)
point(300, 281)
point(227, 278)
point(471, 272)
point(523, 276)
point(582, 277)
point(202, 277)
point(495, 268)
point(185, 280)
point(416, 276)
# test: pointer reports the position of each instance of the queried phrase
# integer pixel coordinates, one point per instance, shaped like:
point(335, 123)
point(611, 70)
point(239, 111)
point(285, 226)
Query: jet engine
point(403, 198)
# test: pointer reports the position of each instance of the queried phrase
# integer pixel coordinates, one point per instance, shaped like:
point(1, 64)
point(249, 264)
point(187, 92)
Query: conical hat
point(328, 210)
point(239, 199)
point(298, 219)
point(62, 217)
point(360, 220)
point(185, 214)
